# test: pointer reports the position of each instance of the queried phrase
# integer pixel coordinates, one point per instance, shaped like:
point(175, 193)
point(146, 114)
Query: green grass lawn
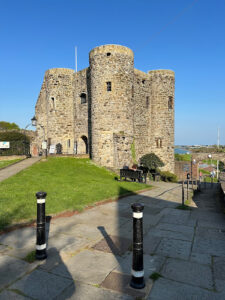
point(182, 157)
point(210, 161)
point(71, 184)
point(204, 171)
point(5, 163)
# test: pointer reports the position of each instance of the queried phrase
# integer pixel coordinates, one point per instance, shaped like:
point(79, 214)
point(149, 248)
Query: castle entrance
point(82, 145)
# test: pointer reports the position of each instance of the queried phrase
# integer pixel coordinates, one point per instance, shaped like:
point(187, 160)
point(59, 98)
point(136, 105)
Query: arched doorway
point(82, 145)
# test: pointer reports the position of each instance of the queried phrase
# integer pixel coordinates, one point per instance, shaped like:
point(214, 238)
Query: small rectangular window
point(147, 101)
point(170, 102)
point(68, 143)
point(109, 86)
point(158, 142)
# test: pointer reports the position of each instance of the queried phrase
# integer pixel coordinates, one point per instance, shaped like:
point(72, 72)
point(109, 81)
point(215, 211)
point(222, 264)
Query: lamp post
point(210, 157)
point(33, 123)
point(45, 142)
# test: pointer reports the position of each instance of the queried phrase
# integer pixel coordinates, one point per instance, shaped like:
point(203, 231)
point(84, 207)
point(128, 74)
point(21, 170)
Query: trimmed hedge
point(168, 176)
point(19, 143)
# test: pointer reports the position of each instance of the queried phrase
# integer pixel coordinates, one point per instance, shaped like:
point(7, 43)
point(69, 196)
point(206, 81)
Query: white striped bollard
point(41, 241)
point(137, 279)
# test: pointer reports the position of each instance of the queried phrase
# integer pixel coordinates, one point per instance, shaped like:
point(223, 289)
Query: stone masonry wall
point(112, 111)
point(142, 113)
point(162, 116)
point(56, 124)
point(80, 109)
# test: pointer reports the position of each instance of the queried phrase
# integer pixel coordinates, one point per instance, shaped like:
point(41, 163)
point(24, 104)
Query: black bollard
point(182, 193)
point(41, 242)
point(137, 279)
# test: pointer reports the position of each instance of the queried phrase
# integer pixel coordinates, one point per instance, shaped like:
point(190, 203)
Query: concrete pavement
point(89, 255)
point(16, 168)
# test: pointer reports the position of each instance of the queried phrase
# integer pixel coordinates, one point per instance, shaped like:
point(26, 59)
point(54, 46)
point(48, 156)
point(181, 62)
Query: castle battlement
point(108, 109)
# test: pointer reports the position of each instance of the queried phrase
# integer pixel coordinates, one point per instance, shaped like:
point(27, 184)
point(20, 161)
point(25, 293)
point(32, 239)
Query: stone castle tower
point(110, 110)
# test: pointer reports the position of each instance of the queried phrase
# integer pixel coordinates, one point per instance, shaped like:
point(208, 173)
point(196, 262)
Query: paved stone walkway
point(16, 168)
point(89, 255)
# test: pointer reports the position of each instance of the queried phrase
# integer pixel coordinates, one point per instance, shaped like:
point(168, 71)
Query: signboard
point(4, 145)
point(52, 149)
point(44, 145)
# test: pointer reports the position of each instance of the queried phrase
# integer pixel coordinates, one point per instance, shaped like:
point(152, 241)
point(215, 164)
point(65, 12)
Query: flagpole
point(76, 59)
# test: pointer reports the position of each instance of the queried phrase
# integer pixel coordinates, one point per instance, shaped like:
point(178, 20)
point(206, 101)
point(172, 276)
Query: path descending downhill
point(90, 254)
point(16, 168)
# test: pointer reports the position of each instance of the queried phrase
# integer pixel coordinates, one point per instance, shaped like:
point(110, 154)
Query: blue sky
point(186, 36)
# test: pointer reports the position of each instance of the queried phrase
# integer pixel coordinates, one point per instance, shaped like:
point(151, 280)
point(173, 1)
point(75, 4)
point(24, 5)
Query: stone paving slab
point(85, 231)
point(120, 283)
point(188, 272)
point(42, 285)
point(178, 220)
point(210, 233)
point(19, 238)
point(220, 286)
point(10, 295)
point(11, 269)
point(186, 236)
point(16, 168)
point(86, 291)
point(211, 247)
point(204, 259)
point(152, 263)
point(113, 244)
point(151, 242)
point(88, 266)
point(219, 268)
point(164, 289)
point(174, 248)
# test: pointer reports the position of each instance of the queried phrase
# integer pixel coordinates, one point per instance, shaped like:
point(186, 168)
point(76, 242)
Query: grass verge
point(30, 257)
point(71, 185)
point(5, 163)
point(154, 276)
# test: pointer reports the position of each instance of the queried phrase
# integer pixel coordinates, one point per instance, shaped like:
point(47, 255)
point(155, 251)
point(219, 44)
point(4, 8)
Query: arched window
point(83, 98)
point(158, 142)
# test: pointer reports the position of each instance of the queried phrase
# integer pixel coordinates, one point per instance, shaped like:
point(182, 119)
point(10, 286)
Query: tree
point(8, 126)
point(221, 166)
point(151, 161)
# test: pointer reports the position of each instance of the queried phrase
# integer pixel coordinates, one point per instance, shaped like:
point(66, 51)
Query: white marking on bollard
point(41, 247)
point(137, 273)
point(138, 215)
point(40, 201)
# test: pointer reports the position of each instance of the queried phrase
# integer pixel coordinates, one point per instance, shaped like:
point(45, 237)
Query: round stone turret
point(162, 117)
point(112, 72)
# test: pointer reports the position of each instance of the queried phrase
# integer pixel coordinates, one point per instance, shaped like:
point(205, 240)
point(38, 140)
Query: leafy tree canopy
point(8, 125)
point(151, 161)
point(13, 136)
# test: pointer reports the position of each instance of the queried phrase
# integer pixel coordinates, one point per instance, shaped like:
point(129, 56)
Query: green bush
point(182, 157)
point(168, 176)
point(151, 161)
point(8, 126)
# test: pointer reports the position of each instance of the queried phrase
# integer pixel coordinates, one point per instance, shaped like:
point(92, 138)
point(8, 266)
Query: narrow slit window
point(53, 102)
point(83, 98)
point(158, 142)
point(147, 101)
point(170, 102)
point(109, 86)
